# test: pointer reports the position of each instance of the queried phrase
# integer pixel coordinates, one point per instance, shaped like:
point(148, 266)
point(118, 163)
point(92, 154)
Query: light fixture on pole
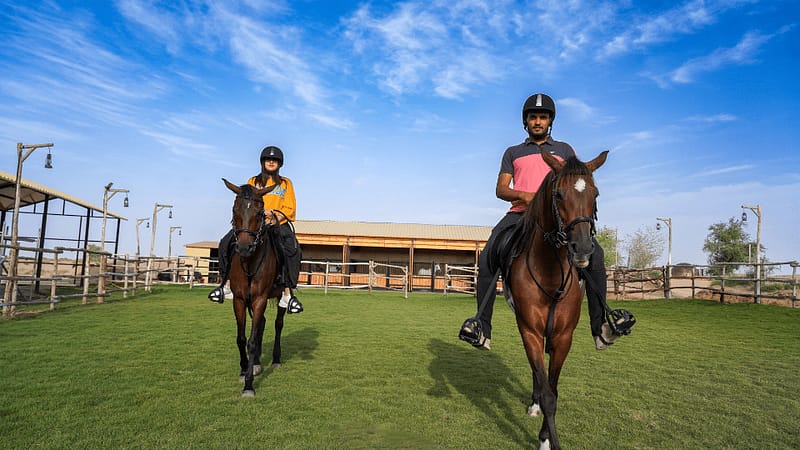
point(10, 295)
point(158, 207)
point(139, 222)
point(171, 229)
point(668, 280)
point(757, 211)
point(108, 193)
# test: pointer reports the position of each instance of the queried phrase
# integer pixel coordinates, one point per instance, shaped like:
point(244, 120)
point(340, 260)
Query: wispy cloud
point(742, 53)
point(421, 46)
point(715, 118)
point(722, 170)
point(686, 18)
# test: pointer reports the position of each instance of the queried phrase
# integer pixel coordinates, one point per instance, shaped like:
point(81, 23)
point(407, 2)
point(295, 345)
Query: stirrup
point(294, 306)
point(472, 333)
point(621, 321)
point(217, 295)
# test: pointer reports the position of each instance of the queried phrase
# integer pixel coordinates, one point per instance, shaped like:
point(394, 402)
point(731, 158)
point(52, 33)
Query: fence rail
point(100, 274)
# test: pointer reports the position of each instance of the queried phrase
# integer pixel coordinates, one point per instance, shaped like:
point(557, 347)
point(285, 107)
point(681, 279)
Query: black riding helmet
point(272, 152)
point(538, 102)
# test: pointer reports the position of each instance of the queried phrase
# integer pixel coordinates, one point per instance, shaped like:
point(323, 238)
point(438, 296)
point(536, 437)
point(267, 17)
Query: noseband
point(558, 237)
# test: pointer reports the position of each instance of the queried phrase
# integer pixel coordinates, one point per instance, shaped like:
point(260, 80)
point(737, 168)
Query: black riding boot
point(225, 251)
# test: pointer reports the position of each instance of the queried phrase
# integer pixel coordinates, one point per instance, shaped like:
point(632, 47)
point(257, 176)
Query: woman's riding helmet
point(538, 102)
point(272, 152)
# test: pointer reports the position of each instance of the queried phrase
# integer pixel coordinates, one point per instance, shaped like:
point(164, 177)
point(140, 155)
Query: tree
point(726, 243)
point(607, 238)
point(644, 247)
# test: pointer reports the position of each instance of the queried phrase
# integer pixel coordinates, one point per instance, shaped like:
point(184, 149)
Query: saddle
point(507, 246)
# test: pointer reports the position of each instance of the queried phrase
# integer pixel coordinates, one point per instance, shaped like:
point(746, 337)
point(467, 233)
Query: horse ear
point(552, 161)
point(598, 161)
point(236, 189)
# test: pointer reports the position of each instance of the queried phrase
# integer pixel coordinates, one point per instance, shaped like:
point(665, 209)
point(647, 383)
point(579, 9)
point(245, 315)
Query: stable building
point(424, 249)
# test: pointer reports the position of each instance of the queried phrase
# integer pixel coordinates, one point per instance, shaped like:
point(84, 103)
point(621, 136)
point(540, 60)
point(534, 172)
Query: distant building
point(425, 249)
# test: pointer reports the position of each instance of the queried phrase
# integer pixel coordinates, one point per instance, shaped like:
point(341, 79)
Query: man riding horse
point(522, 171)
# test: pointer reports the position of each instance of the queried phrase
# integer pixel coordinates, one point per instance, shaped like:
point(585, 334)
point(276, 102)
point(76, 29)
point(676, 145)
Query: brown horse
point(254, 267)
point(545, 291)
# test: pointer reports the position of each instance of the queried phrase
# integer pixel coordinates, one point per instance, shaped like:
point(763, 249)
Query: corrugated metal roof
point(387, 229)
point(31, 193)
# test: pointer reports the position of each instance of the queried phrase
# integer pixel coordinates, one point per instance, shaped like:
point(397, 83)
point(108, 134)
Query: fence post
point(371, 278)
point(148, 277)
point(125, 278)
point(325, 281)
point(53, 281)
point(758, 270)
point(722, 286)
point(101, 280)
point(794, 283)
point(667, 281)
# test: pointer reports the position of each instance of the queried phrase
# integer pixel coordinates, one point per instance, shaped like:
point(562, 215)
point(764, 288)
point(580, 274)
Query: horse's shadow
point(296, 345)
point(486, 381)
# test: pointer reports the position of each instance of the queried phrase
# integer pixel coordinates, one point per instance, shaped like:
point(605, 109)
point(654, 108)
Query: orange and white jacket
point(281, 198)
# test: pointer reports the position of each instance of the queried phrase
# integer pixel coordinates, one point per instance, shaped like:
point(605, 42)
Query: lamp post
point(171, 229)
point(158, 207)
point(757, 210)
point(10, 295)
point(668, 280)
point(107, 194)
point(139, 222)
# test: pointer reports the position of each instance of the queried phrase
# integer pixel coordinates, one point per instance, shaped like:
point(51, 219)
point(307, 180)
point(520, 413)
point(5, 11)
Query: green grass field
point(161, 370)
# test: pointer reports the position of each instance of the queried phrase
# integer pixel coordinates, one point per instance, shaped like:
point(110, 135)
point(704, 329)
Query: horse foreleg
point(543, 398)
point(257, 369)
point(560, 347)
point(253, 346)
point(276, 348)
point(241, 341)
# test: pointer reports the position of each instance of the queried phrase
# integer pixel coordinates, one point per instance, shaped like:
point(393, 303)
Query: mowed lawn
point(363, 370)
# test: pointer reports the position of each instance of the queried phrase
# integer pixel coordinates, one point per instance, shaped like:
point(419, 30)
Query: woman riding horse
point(280, 199)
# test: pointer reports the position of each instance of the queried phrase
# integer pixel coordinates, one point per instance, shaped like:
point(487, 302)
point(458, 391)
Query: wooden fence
point(97, 275)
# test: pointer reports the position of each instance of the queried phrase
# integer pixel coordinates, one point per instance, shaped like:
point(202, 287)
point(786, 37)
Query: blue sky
point(400, 111)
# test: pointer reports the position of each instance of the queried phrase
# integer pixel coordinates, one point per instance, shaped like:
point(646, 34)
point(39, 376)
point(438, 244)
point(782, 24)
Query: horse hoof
point(276, 365)
point(248, 393)
point(257, 370)
point(535, 411)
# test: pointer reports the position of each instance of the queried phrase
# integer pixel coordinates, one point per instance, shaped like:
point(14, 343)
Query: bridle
point(255, 234)
point(557, 238)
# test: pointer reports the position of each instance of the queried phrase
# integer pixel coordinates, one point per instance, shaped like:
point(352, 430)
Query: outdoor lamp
point(125, 202)
point(744, 217)
point(48, 161)
point(170, 214)
point(658, 226)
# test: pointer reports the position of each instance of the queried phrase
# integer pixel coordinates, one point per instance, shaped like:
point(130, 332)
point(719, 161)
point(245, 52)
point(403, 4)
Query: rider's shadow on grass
point(486, 381)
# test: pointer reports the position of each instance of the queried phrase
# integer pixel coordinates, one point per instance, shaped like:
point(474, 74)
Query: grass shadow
point(484, 379)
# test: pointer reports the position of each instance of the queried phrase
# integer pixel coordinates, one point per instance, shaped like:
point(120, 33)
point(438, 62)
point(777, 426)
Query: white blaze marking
point(580, 185)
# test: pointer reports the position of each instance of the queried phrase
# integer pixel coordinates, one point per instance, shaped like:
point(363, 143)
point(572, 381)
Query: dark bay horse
point(254, 267)
point(545, 291)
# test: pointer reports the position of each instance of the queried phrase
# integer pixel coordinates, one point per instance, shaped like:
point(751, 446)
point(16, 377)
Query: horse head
point(248, 216)
point(573, 196)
